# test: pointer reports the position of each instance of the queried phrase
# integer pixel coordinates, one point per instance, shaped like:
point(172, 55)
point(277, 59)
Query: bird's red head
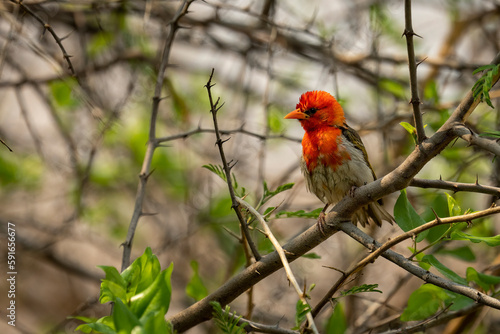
point(317, 109)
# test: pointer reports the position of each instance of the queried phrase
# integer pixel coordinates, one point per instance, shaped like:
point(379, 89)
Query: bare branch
point(412, 64)
point(455, 186)
point(152, 141)
point(227, 169)
point(466, 134)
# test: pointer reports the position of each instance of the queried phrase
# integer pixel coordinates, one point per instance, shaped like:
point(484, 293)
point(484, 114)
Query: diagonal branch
point(394, 181)
point(289, 274)
point(376, 252)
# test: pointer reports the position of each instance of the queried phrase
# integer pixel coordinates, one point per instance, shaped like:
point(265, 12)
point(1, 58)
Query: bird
point(334, 160)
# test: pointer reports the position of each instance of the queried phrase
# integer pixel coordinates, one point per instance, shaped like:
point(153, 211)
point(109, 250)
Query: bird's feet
point(321, 222)
point(352, 191)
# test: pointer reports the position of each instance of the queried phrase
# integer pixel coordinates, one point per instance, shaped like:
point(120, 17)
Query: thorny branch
point(214, 108)
point(412, 64)
point(394, 181)
point(152, 140)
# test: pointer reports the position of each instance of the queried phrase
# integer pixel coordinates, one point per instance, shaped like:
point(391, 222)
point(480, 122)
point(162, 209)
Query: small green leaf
point(125, 321)
point(490, 241)
point(453, 207)
point(337, 323)
point(300, 214)
point(495, 134)
point(486, 282)
point(463, 253)
point(226, 322)
point(406, 216)
point(195, 288)
point(301, 310)
point(267, 194)
point(447, 272)
point(393, 87)
point(424, 302)
point(311, 255)
point(411, 130)
point(418, 257)
point(62, 93)
point(361, 288)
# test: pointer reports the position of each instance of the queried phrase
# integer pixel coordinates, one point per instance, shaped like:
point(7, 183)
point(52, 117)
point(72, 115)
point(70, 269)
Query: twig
point(214, 108)
point(455, 186)
point(48, 27)
point(435, 321)
point(410, 267)
point(379, 250)
point(412, 64)
point(240, 129)
point(282, 255)
point(260, 328)
point(152, 140)
point(466, 134)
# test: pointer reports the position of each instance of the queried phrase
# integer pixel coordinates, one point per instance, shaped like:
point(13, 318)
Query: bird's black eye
point(311, 111)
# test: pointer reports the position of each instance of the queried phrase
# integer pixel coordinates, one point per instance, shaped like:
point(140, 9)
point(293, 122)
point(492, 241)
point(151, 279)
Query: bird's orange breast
point(324, 146)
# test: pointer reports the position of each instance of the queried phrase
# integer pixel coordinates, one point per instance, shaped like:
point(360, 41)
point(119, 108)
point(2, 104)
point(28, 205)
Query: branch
point(152, 141)
point(435, 321)
point(214, 108)
point(455, 186)
point(284, 261)
point(48, 27)
point(410, 267)
point(375, 253)
point(412, 64)
point(394, 181)
point(466, 134)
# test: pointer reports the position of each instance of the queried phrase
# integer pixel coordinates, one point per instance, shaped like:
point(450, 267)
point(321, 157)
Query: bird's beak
point(297, 114)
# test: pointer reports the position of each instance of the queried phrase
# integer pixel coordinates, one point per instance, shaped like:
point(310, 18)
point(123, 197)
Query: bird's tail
point(371, 213)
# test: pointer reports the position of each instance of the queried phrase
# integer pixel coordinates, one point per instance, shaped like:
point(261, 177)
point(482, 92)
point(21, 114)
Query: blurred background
point(79, 140)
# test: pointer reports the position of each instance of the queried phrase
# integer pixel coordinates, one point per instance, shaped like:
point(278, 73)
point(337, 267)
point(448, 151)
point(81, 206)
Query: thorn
point(420, 62)
point(440, 178)
point(149, 213)
point(336, 269)
point(477, 180)
point(149, 174)
point(436, 215)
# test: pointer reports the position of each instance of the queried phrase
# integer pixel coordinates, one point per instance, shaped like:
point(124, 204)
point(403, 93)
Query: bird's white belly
point(329, 185)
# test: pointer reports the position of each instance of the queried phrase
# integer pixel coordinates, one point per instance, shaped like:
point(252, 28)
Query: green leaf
point(495, 134)
point(361, 288)
point(463, 253)
point(311, 255)
point(418, 257)
point(337, 323)
point(424, 302)
point(447, 272)
point(393, 87)
point(406, 216)
point(62, 93)
point(156, 297)
point(301, 310)
point(300, 214)
point(195, 288)
point(453, 207)
point(482, 87)
point(486, 282)
point(411, 130)
point(141, 273)
point(268, 194)
point(125, 321)
point(226, 322)
point(217, 170)
point(490, 241)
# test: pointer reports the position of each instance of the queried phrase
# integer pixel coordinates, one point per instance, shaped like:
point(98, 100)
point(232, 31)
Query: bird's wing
point(351, 135)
